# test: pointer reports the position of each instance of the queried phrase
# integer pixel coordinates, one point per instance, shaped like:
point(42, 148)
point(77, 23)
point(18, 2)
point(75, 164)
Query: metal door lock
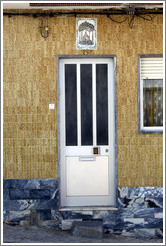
point(96, 150)
point(106, 150)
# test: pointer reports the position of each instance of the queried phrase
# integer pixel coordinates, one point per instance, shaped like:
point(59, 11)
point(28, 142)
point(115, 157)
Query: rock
point(10, 222)
point(147, 233)
point(33, 218)
point(66, 224)
point(90, 229)
point(50, 224)
point(127, 233)
point(19, 215)
point(159, 233)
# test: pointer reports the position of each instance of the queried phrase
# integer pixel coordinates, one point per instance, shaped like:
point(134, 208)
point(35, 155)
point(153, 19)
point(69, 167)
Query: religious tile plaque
point(86, 36)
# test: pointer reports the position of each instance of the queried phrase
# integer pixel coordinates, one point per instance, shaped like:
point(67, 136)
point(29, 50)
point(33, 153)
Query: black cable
point(54, 14)
point(41, 29)
point(148, 19)
point(131, 24)
point(143, 15)
point(109, 16)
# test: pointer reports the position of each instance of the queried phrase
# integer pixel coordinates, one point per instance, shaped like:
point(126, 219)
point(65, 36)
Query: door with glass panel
point(87, 132)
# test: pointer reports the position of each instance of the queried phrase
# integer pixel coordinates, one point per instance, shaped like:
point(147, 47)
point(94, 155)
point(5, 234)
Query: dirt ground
point(20, 234)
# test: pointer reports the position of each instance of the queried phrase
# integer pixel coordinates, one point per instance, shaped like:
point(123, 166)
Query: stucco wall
point(30, 84)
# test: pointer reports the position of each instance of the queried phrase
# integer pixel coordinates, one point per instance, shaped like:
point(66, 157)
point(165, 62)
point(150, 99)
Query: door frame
point(59, 57)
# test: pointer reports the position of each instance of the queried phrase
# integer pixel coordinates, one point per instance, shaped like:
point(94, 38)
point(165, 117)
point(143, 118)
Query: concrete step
point(89, 228)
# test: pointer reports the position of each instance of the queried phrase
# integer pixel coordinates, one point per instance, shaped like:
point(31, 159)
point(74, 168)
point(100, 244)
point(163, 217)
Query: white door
point(87, 132)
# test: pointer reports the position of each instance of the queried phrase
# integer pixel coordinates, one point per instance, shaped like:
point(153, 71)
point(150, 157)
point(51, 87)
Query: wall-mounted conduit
point(131, 13)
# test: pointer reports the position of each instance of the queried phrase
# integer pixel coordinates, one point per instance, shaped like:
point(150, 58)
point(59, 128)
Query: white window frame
point(157, 76)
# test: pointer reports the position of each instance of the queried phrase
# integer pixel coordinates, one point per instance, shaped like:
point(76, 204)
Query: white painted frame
point(142, 128)
point(146, 128)
point(112, 121)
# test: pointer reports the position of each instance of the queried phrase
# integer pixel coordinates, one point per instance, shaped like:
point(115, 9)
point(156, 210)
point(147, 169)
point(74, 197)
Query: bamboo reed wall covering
point(30, 85)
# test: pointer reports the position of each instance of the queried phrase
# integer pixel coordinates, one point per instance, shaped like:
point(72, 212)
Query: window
point(150, 94)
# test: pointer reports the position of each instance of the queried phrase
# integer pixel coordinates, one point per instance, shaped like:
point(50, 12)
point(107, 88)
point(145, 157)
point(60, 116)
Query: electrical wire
point(150, 18)
point(131, 24)
point(41, 29)
point(134, 13)
point(109, 16)
point(147, 17)
point(55, 14)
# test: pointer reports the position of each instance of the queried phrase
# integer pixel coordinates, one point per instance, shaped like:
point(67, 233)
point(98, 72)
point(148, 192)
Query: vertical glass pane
point(86, 105)
point(153, 102)
point(71, 104)
point(102, 103)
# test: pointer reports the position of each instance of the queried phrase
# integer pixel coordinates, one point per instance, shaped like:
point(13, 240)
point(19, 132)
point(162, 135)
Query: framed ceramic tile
point(86, 36)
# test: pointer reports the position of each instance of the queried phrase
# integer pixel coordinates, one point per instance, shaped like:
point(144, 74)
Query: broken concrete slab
point(147, 233)
point(91, 229)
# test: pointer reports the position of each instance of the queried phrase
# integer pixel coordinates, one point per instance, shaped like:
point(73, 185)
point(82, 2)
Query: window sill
point(150, 131)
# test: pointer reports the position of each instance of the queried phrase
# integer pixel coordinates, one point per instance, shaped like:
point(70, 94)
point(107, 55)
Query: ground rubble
point(15, 233)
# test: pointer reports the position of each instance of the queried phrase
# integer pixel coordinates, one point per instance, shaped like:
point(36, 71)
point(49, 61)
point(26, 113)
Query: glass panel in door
point(86, 105)
point(102, 103)
point(71, 104)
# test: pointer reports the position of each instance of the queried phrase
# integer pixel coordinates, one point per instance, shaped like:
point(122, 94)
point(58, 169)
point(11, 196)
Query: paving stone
point(47, 204)
point(24, 223)
point(19, 194)
point(144, 213)
point(82, 215)
point(91, 229)
point(6, 215)
point(19, 215)
point(30, 183)
point(44, 214)
point(56, 215)
point(66, 224)
point(154, 202)
point(22, 235)
point(159, 233)
point(145, 191)
point(158, 215)
point(33, 218)
point(50, 224)
point(123, 192)
point(6, 196)
point(134, 220)
point(127, 233)
point(39, 194)
point(147, 233)
point(153, 223)
point(139, 207)
point(14, 183)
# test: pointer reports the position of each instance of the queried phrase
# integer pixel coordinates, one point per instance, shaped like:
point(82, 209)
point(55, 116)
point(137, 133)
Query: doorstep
point(91, 208)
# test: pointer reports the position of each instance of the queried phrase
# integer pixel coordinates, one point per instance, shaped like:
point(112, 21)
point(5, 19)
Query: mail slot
point(87, 158)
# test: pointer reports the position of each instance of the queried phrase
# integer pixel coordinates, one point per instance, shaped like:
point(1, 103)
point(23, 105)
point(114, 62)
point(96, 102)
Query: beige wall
point(30, 84)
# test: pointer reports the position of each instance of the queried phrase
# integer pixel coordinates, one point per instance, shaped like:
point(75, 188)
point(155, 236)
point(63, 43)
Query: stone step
point(89, 228)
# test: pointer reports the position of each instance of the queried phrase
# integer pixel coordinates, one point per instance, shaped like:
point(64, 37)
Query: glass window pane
point(102, 103)
point(71, 104)
point(153, 102)
point(86, 105)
